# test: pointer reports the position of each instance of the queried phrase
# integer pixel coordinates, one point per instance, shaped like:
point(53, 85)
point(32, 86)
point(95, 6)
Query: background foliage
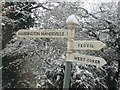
point(28, 61)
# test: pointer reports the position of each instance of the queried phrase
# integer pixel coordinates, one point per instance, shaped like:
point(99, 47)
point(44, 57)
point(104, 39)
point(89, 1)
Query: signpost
point(42, 33)
point(88, 45)
point(76, 45)
point(86, 59)
point(72, 24)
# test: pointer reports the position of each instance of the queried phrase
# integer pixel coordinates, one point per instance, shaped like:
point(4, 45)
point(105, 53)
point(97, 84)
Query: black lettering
point(26, 33)
point(36, 33)
point(79, 58)
point(91, 45)
point(55, 33)
point(88, 60)
point(93, 61)
point(52, 33)
point(84, 45)
point(31, 33)
point(43, 33)
point(76, 58)
point(81, 45)
point(23, 33)
point(97, 61)
point(83, 59)
point(87, 45)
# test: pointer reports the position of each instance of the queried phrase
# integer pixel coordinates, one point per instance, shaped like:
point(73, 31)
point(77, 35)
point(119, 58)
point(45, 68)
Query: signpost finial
point(72, 22)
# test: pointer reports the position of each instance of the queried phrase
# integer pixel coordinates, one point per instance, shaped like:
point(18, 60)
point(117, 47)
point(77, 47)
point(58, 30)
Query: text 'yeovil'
point(88, 45)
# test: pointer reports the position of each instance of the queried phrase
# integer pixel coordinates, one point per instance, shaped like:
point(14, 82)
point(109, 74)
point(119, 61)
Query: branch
point(44, 60)
point(93, 34)
point(107, 21)
point(40, 5)
point(93, 16)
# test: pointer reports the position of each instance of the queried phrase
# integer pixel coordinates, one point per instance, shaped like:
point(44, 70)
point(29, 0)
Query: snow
point(72, 19)
point(2, 24)
point(58, 78)
point(78, 71)
point(0, 68)
point(88, 72)
point(38, 85)
point(50, 52)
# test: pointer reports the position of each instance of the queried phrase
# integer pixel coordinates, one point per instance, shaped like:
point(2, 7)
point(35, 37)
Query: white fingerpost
point(72, 24)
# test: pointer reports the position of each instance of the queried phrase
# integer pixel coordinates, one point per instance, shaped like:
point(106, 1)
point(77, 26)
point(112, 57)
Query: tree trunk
point(118, 74)
point(6, 35)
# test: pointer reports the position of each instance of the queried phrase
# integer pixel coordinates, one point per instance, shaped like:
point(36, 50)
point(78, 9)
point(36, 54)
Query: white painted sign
point(86, 59)
point(88, 45)
point(43, 33)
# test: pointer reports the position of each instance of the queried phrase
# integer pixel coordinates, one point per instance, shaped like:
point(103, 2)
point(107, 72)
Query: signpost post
point(72, 24)
point(70, 56)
